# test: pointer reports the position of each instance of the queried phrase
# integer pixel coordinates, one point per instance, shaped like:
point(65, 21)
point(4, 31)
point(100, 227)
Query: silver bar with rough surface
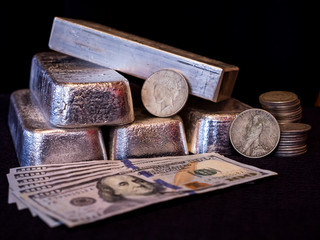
point(148, 136)
point(75, 93)
point(36, 142)
point(207, 78)
point(207, 124)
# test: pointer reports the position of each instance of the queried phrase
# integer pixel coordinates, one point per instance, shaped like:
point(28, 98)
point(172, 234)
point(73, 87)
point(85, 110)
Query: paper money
point(123, 185)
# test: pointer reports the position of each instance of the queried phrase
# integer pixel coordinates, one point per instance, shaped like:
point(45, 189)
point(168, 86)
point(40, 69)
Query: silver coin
point(292, 148)
point(278, 98)
point(295, 128)
point(254, 133)
point(289, 154)
point(284, 143)
point(282, 108)
point(302, 149)
point(165, 93)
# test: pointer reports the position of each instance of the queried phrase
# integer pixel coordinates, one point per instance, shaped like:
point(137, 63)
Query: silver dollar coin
point(165, 93)
point(254, 133)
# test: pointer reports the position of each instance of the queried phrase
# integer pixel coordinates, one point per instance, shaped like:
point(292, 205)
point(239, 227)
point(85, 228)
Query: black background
point(272, 43)
point(267, 40)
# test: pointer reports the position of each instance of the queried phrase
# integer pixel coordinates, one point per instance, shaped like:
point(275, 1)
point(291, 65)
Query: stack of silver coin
point(293, 139)
point(283, 105)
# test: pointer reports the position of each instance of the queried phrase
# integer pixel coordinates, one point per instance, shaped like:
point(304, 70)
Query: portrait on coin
point(252, 144)
point(165, 94)
point(254, 133)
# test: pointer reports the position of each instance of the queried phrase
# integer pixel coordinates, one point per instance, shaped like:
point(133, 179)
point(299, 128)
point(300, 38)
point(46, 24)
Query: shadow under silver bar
point(76, 93)
point(207, 124)
point(148, 136)
point(209, 79)
point(36, 142)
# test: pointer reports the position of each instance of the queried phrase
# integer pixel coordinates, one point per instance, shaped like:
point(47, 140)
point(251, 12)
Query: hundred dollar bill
point(93, 199)
point(31, 182)
point(49, 219)
point(26, 171)
point(98, 197)
point(33, 178)
point(206, 173)
point(13, 198)
point(27, 177)
point(37, 178)
point(20, 203)
point(32, 173)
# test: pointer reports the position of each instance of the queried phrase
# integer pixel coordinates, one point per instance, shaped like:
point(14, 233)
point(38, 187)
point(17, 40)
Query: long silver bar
point(209, 79)
point(207, 124)
point(148, 136)
point(75, 93)
point(36, 142)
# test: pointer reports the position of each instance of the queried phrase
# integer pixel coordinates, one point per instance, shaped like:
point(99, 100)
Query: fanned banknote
point(76, 194)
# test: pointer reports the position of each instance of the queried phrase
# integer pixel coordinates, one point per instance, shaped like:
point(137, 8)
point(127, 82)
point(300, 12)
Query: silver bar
point(209, 79)
point(36, 142)
point(148, 136)
point(75, 93)
point(207, 124)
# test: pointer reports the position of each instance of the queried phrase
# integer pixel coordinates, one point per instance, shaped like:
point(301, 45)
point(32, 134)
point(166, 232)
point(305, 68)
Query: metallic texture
point(283, 105)
point(254, 133)
point(75, 93)
point(209, 79)
point(293, 139)
point(207, 124)
point(148, 136)
point(36, 142)
point(165, 93)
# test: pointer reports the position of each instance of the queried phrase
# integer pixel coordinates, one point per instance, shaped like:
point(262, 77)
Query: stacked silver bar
point(207, 124)
point(70, 98)
point(148, 136)
point(207, 78)
point(75, 93)
point(57, 120)
point(37, 142)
